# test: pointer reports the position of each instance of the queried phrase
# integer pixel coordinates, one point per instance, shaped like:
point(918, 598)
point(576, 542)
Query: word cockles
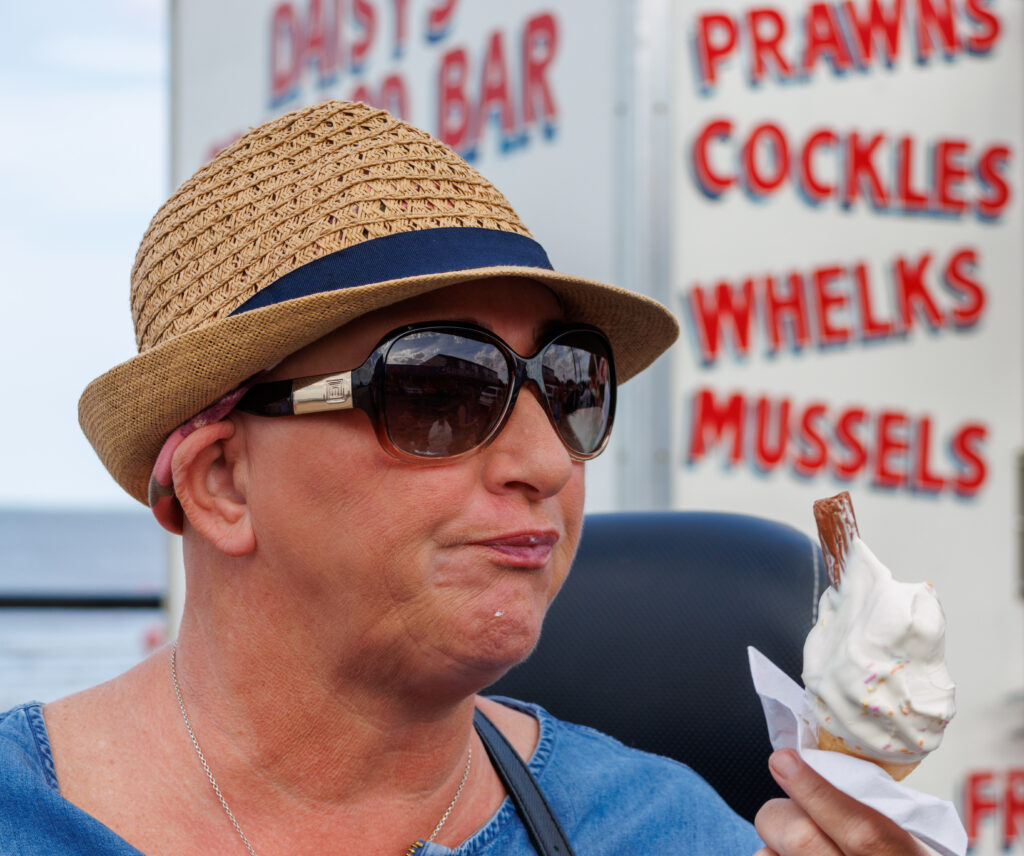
point(890, 173)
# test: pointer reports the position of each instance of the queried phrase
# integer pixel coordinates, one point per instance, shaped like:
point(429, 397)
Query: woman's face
point(430, 572)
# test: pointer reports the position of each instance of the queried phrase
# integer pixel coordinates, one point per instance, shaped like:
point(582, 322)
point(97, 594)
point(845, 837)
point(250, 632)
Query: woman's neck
point(297, 724)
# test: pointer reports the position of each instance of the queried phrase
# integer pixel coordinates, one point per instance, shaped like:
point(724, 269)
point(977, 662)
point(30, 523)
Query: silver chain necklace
point(224, 803)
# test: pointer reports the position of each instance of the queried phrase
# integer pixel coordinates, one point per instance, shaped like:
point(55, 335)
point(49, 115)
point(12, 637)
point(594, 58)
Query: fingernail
point(784, 763)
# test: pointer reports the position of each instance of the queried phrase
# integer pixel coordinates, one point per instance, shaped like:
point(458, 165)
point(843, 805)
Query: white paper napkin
point(791, 725)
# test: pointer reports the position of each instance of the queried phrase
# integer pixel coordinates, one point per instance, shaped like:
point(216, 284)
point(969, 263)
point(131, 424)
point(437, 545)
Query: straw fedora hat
point(300, 226)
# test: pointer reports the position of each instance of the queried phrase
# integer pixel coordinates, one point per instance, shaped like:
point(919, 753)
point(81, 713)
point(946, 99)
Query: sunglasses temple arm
point(268, 399)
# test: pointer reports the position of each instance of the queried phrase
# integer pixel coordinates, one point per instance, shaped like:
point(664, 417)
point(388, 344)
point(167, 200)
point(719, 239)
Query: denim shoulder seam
point(33, 712)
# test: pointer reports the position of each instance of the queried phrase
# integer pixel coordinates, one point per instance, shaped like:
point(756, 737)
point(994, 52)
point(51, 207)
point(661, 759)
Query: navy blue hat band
point(404, 254)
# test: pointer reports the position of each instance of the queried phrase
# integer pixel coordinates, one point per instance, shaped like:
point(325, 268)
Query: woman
point(354, 579)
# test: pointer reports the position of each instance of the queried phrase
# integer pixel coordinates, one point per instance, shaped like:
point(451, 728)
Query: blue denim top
point(609, 799)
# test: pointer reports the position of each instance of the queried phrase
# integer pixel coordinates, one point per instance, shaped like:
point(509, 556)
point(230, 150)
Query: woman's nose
point(528, 455)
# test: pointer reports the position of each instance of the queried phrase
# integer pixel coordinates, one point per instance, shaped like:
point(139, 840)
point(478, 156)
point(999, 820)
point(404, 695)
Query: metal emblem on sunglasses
point(337, 390)
point(331, 392)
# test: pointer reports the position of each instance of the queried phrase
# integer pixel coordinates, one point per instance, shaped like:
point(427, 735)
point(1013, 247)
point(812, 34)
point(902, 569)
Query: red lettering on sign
point(813, 455)
point(907, 197)
point(989, 27)
point(439, 19)
point(393, 96)
point(824, 39)
point(712, 183)
point(725, 305)
point(711, 423)
point(950, 173)
point(771, 435)
point(454, 113)
point(1013, 808)
point(827, 302)
point(932, 17)
point(494, 91)
point(766, 28)
point(979, 803)
point(911, 292)
point(285, 51)
point(786, 310)
point(878, 26)
point(873, 167)
point(993, 800)
point(767, 172)
point(815, 189)
point(891, 447)
point(860, 170)
point(321, 44)
point(401, 16)
point(463, 113)
point(843, 35)
point(872, 327)
point(726, 317)
point(972, 466)
point(540, 41)
point(847, 436)
point(959, 280)
point(716, 39)
point(364, 17)
point(991, 165)
point(923, 478)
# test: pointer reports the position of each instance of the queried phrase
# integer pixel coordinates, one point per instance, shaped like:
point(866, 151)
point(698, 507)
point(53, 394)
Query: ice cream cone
point(841, 546)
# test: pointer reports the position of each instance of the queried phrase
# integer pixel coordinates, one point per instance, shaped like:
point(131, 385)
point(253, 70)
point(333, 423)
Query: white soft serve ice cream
point(874, 663)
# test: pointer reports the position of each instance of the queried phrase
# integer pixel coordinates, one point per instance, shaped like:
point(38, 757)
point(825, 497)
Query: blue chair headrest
point(647, 640)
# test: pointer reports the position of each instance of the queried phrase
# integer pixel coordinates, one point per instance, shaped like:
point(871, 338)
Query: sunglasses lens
point(579, 382)
point(443, 393)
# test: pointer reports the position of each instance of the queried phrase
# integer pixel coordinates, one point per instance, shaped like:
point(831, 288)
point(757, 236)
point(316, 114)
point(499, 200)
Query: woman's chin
point(491, 645)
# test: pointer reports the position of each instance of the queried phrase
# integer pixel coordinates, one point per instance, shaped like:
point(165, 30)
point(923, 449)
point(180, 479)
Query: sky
point(83, 167)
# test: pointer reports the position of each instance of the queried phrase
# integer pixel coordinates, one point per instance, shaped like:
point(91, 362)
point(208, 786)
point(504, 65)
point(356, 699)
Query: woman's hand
point(820, 820)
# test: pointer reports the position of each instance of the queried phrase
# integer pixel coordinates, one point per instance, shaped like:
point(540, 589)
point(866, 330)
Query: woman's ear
point(207, 484)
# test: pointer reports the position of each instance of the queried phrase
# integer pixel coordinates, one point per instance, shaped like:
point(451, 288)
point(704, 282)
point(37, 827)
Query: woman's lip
point(522, 549)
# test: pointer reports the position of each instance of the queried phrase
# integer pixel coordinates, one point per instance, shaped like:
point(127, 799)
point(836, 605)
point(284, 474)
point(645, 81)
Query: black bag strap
point(540, 822)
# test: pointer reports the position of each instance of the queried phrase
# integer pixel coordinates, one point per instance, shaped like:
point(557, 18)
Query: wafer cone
point(837, 527)
point(828, 741)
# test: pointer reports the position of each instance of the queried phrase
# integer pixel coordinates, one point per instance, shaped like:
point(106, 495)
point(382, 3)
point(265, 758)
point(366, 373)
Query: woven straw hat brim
point(128, 412)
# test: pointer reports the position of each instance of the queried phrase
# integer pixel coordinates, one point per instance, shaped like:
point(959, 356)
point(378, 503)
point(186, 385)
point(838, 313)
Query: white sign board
point(847, 260)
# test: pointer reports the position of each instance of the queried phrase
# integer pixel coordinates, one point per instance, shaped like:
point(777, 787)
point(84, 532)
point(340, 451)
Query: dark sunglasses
point(439, 390)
